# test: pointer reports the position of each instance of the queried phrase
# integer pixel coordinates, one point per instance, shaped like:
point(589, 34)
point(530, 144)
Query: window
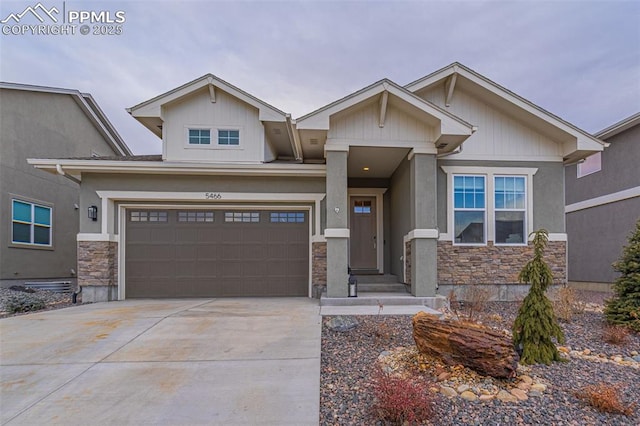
point(148, 216)
point(199, 137)
point(287, 217)
point(362, 207)
point(31, 223)
point(510, 209)
point(469, 209)
point(242, 217)
point(195, 216)
point(591, 164)
point(228, 137)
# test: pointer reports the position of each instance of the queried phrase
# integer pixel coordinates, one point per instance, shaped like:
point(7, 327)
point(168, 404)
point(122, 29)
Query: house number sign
point(212, 196)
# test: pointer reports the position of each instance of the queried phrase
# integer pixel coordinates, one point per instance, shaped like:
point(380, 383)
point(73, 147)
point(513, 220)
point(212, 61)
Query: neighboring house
point(439, 183)
point(603, 205)
point(40, 211)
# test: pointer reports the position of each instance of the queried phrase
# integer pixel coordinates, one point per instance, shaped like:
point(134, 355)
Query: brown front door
point(364, 242)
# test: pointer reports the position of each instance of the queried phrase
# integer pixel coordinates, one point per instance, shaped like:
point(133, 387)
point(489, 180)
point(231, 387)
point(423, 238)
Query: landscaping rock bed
point(48, 299)
point(539, 395)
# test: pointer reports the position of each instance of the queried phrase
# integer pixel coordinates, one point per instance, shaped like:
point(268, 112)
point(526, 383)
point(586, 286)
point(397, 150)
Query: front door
point(364, 244)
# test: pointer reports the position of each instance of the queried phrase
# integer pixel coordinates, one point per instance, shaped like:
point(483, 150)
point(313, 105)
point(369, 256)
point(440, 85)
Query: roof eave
point(619, 127)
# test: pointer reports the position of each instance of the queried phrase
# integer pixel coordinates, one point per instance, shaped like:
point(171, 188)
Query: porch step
point(384, 299)
point(382, 287)
point(376, 278)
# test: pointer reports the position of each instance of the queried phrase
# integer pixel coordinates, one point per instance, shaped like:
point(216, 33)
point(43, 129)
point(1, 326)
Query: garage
point(172, 253)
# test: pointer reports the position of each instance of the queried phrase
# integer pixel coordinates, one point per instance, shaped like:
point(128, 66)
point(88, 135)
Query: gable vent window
point(196, 216)
point(253, 217)
point(228, 137)
point(287, 217)
point(199, 137)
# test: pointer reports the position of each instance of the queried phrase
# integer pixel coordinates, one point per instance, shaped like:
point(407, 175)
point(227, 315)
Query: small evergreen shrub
point(604, 398)
point(23, 302)
point(536, 324)
point(400, 400)
point(624, 308)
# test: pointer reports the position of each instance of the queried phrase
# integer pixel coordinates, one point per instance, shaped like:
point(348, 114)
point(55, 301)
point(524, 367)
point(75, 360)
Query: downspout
point(62, 173)
point(458, 150)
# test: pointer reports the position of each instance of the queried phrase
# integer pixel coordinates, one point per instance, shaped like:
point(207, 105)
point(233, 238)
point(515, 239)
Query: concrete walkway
point(171, 362)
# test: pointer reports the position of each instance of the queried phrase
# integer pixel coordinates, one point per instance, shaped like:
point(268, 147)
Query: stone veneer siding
point(319, 267)
point(495, 264)
point(97, 263)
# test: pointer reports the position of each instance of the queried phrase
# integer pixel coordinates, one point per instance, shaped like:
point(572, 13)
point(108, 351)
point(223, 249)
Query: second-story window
point(228, 137)
point(199, 137)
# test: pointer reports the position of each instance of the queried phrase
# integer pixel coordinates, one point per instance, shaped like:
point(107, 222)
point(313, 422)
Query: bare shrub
point(605, 398)
point(400, 400)
point(615, 334)
point(566, 304)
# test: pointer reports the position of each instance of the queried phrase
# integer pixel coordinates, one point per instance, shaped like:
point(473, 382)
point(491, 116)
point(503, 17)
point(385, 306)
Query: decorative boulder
point(479, 348)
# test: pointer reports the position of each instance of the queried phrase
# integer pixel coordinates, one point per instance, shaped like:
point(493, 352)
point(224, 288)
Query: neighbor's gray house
point(39, 210)
point(437, 183)
point(603, 205)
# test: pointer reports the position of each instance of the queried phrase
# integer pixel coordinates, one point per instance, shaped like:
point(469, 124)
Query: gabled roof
point(149, 113)
point(447, 123)
point(619, 127)
point(88, 105)
point(582, 143)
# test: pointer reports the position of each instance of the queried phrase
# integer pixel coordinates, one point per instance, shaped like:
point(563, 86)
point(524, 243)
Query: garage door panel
point(186, 258)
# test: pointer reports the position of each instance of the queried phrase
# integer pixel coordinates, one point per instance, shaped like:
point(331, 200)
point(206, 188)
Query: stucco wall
point(598, 234)
point(170, 183)
point(400, 215)
point(596, 238)
point(42, 125)
point(548, 193)
point(619, 169)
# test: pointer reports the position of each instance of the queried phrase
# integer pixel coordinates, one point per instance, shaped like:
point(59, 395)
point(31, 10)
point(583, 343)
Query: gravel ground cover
point(350, 357)
point(51, 300)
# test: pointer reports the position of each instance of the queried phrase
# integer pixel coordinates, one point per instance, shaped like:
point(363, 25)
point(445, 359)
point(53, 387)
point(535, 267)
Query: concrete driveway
point(177, 362)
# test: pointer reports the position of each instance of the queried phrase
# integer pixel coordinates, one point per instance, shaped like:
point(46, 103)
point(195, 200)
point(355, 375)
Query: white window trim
point(200, 146)
point(213, 145)
point(526, 231)
point(121, 214)
point(33, 203)
point(485, 210)
point(489, 172)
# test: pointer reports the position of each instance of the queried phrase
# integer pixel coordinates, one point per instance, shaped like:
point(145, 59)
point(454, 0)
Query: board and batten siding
point(499, 137)
point(227, 112)
point(363, 125)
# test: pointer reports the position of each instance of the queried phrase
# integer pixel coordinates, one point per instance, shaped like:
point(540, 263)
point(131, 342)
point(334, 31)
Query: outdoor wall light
point(93, 213)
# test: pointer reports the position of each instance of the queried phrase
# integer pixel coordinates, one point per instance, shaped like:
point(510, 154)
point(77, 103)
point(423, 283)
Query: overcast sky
point(578, 59)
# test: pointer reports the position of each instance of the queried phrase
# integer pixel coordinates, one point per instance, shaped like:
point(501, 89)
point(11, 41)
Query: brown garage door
point(216, 253)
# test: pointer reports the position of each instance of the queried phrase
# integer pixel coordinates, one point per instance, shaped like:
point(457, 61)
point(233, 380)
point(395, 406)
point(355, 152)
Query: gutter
point(62, 173)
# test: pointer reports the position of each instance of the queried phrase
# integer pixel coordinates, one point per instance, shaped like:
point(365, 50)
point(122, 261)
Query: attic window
point(591, 164)
point(199, 137)
point(228, 137)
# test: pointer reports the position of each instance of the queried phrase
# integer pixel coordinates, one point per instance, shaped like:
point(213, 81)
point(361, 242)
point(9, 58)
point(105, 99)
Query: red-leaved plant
point(400, 400)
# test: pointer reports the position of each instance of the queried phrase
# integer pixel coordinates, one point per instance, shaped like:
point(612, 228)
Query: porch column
point(424, 235)
point(337, 232)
